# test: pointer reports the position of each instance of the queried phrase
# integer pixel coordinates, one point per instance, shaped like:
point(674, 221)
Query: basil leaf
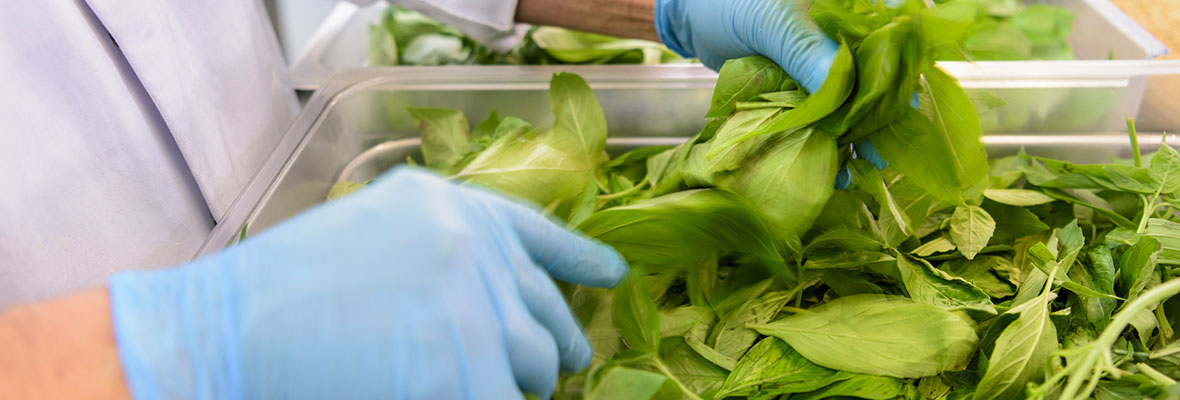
point(971, 228)
point(879, 335)
point(772, 367)
point(797, 169)
point(1168, 234)
point(818, 105)
point(683, 227)
point(636, 316)
point(1012, 223)
point(732, 338)
point(694, 372)
point(933, 286)
point(1165, 169)
point(981, 272)
point(1021, 351)
point(1017, 197)
point(744, 79)
point(622, 383)
point(710, 354)
point(718, 159)
point(939, 244)
point(862, 387)
point(444, 134)
point(1138, 264)
point(579, 125)
point(683, 320)
point(848, 283)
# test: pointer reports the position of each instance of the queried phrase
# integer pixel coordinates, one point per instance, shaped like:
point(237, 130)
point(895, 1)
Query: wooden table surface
point(1162, 19)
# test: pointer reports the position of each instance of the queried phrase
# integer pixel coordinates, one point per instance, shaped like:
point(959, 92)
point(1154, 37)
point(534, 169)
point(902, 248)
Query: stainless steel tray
point(357, 125)
point(1100, 30)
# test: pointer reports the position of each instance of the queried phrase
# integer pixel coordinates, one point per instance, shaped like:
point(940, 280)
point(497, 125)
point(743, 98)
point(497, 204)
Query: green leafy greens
point(943, 275)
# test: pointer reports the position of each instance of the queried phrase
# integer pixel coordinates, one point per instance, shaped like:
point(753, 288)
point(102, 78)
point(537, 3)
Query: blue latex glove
point(413, 288)
point(719, 30)
point(865, 151)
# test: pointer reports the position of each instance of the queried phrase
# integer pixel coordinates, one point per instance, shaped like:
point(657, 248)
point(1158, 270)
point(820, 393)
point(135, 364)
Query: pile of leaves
point(999, 30)
point(1009, 30)
point(939, 275)
point(405, 37)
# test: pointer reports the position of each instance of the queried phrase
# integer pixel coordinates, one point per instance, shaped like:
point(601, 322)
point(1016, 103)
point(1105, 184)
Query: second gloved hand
point(718, 30)
point(412, 288)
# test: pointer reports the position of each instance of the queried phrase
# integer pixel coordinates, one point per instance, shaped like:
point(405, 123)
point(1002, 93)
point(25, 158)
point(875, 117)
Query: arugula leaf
point(879, 335)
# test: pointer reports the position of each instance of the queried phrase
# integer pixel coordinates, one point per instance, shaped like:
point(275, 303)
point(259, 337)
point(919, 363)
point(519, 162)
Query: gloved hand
point(411, 288)
point(718, 30)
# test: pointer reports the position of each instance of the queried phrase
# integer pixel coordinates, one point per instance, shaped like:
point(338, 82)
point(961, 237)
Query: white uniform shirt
point(127, 128)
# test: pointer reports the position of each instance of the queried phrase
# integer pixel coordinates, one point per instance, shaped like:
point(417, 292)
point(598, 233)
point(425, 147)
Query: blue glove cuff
point(667, 11)
point(175, 332)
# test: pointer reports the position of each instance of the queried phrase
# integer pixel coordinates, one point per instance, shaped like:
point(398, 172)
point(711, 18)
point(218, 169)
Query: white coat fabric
point(127, 128)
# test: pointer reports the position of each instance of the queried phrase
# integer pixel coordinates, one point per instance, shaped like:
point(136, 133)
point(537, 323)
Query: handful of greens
point(943, 275)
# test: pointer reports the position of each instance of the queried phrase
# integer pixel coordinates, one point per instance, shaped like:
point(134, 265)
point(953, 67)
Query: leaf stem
point(608, 197)
point(794, 310)
point(1155, 375)
point(1112, 332)
point(1148, 209)
point(1135, 153)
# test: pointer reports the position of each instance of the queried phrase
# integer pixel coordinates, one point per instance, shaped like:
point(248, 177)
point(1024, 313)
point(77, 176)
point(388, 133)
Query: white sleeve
point(491, 22)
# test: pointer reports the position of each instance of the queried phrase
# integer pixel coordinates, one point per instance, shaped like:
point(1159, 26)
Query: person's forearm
point(623, 18)
point(60, 349)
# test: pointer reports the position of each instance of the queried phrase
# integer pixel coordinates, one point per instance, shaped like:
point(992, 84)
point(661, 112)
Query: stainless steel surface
point(1101, 29)
point(357, 126)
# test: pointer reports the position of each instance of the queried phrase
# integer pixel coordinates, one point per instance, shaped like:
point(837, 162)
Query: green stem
point(1112, 332)
point(608, 197)
point(1148, 210)
point(1157, 376)
point(794, 310)
point(689, 394)
point(1138, 157)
